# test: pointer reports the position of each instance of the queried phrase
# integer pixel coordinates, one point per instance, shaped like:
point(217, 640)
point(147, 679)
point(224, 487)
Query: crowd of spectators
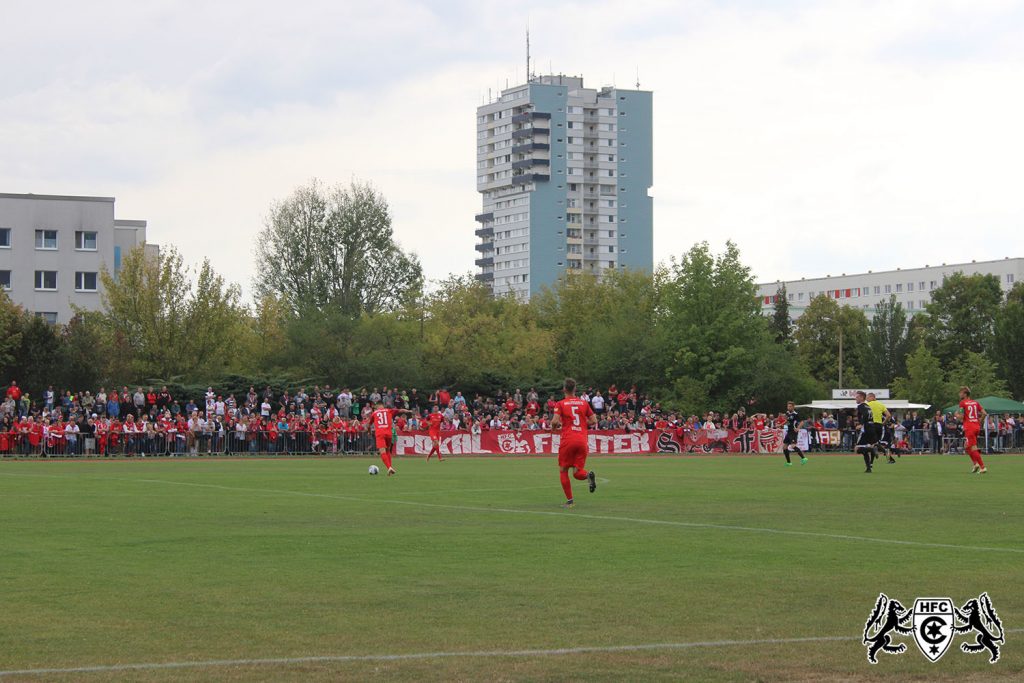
point(150, 421)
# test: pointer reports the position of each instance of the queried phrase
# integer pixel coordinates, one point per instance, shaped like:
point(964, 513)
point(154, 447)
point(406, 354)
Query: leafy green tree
point(173, 326)
point(712, 328)
point(334, 249)
point(12, 318)
point(605, 331)
point(1008, 345)
point(962, 315)
point(888, 344)
point(976, 371)
point(818, 337)
point(88, 352)
point(925, 381)
point(481, 342)
point(39, 356)
point(781, 324)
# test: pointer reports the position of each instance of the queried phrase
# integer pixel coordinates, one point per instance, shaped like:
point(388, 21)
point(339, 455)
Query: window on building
point(46, 239)
point(920, 286)
point(5, 280)
point(49, 317)
point(5, 238)
point(888, 289)
point(931, 285)
point(85, 240)
point(910, 286)
point(85, 282)
point(790, 296)
point(611, 249)
point(1009, 278)
point(800, 296)
point(46, 279)
point(611, 219)
point(899, 287)
point(910, 305)
point(922, 303)
point(878, 290)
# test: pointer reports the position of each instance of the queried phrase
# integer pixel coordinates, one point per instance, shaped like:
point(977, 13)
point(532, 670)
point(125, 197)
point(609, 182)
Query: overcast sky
point(822, 137)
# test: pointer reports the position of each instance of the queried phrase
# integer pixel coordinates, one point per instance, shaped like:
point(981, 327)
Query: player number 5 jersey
point(574, 413)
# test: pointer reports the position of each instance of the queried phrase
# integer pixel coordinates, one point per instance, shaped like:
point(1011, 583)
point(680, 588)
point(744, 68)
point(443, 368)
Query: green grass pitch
point(185, 561)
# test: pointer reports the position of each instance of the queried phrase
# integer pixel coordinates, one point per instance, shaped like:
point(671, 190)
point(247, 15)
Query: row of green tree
point(970, 333)
point(338, 301)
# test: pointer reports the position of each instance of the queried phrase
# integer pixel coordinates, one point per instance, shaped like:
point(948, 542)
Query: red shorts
point(384, 441)
point(572, 454)
point(435, 435)
point(971, 436)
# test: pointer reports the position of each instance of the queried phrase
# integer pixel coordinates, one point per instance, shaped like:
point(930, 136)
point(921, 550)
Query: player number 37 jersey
point(574, 413)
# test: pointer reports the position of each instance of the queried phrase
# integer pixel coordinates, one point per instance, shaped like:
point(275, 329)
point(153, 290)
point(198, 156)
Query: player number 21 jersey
point(972, 412)
point(574, 413)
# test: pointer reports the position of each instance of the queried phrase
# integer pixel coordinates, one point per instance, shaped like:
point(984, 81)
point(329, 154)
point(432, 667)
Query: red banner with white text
point(506, 442)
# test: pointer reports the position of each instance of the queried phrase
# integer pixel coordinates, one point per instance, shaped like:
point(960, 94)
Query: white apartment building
point(53, 247)
point(564, 173)
point(912, 287)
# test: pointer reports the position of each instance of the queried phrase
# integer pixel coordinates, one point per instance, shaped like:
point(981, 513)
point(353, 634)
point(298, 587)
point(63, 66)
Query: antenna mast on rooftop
point(527, 52)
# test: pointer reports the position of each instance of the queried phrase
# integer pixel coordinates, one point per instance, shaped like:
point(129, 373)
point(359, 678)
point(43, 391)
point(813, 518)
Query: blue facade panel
point(547, 201)
point(636, 177)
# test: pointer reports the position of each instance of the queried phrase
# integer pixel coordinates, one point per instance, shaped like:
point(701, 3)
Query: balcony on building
point(525, 178)
point(485, 261)
point(530, 132)
point(527, 163)
point(485, 232)
point(484, 246)
point(485, 277)
point(531, 147)
point(484, 217)
point(531, 116)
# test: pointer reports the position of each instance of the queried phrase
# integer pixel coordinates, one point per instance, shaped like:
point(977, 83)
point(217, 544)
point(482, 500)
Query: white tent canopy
point(840, 404)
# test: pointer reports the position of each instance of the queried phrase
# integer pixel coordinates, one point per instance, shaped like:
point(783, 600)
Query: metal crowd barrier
point(189, 444)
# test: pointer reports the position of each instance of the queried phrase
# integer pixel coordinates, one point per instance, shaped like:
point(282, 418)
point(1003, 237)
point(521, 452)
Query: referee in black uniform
point(869, 431)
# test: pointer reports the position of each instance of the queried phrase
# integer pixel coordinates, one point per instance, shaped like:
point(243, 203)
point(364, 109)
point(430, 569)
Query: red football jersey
point(972, 412)
point(382, 419)
point(573, 413)
point(758, 423)
point(435, 420)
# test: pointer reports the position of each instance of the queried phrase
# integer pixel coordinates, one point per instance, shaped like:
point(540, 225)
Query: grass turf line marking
point(547, 513)
point(416, 655)
point(328, 659)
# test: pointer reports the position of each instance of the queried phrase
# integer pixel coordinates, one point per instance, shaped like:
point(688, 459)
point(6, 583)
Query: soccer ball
point(374, 469)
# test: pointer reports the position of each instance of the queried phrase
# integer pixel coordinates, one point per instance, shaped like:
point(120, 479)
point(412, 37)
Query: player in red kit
point(972, 414)
point(434, 421)
point(574, 416)
point(383, 424)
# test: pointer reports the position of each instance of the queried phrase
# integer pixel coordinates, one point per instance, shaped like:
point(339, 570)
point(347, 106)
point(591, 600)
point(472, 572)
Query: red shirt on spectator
point(443, 398)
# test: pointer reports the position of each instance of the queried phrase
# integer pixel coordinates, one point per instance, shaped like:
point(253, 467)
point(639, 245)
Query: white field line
point(107, 668)
point(552, 513)
point(328, 659)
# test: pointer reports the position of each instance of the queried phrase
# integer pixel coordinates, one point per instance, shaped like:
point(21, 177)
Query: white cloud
point(822, 137)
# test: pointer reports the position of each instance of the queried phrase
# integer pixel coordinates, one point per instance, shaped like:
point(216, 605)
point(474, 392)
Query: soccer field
point(678, 568)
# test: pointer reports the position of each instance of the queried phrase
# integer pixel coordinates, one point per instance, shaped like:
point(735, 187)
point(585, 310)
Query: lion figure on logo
point(888, 616)
point(979, 615)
